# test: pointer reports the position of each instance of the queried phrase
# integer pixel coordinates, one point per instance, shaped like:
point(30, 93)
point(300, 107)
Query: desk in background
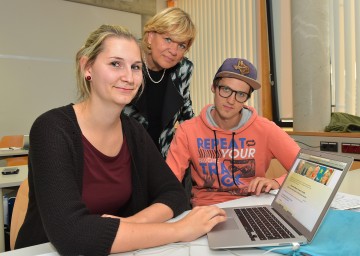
point(5, 152)
point(7, 181)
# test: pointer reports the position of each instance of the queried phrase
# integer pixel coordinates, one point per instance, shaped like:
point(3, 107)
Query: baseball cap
point(241, 69)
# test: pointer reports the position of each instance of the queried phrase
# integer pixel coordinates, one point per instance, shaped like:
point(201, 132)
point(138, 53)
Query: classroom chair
point(16, 160)
point(275, 169)
point(13, 141)
point(19, 211)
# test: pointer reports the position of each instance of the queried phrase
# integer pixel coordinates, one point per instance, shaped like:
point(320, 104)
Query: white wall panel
point(39, 40)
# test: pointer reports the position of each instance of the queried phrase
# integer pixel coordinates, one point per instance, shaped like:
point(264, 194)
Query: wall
point(39, 40)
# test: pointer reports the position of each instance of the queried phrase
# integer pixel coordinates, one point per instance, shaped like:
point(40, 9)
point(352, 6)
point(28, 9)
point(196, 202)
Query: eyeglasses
point(226, 92)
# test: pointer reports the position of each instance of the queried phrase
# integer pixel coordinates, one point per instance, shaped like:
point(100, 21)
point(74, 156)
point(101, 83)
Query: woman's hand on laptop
point(199, 221)
point(261, 184)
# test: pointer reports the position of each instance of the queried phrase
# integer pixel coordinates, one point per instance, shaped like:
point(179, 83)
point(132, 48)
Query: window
point(344, 44)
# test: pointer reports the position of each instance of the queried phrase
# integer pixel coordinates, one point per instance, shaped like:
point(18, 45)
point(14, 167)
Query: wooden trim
point(266, 102)
point(326, 134)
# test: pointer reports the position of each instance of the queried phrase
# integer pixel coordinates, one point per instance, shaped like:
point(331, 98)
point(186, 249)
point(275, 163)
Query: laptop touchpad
point(229, 224)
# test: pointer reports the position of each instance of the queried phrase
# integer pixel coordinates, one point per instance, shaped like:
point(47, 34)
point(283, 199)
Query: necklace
point(152, 80)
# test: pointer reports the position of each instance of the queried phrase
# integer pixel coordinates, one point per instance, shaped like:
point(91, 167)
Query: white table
point(5, 152)
point(198, 247)
point(7, 181)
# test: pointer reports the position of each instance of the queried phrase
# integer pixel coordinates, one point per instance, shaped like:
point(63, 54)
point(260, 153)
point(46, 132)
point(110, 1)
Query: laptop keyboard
point(260, 223)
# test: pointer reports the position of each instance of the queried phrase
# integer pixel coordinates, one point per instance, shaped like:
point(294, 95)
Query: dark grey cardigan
point(56, 212)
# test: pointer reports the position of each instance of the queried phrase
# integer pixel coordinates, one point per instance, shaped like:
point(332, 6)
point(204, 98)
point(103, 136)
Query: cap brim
point(253, 83)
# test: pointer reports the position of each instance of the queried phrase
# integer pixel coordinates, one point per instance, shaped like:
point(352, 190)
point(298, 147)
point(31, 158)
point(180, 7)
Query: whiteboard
point(38, 43)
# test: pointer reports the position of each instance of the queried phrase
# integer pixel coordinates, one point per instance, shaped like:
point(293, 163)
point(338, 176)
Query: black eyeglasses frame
point(232, 92)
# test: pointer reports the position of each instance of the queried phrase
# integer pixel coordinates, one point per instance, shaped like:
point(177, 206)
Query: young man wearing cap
point(228, 146)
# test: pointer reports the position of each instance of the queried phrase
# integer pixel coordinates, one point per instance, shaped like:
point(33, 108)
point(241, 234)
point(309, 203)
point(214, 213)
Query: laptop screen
point(309, 188)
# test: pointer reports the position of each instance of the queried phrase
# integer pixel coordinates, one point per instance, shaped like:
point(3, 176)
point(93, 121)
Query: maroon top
point(107, 180)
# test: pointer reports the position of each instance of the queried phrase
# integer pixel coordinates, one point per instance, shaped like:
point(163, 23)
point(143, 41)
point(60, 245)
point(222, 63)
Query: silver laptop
point(295, 213)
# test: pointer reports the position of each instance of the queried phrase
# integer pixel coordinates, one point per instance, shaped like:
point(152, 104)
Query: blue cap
point(241, 69)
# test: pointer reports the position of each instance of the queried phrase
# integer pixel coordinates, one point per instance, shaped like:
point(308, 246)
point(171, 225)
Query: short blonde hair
point(92, 48)
point(173, 21)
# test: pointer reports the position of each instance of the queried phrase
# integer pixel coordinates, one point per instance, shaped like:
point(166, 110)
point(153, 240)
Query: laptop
point(298, 208)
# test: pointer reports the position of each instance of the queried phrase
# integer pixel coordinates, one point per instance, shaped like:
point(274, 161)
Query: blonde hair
point(173, 21)
point(92, 48)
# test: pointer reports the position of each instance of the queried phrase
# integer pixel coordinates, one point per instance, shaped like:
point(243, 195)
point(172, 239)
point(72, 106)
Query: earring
point(88, 78)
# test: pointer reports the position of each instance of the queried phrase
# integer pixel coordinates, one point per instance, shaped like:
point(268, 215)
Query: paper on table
point(344, 201)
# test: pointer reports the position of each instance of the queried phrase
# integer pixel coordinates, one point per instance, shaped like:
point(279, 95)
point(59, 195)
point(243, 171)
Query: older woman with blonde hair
point(167, 37)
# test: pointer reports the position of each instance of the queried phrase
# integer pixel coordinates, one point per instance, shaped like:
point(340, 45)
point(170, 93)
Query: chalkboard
point(38, 43)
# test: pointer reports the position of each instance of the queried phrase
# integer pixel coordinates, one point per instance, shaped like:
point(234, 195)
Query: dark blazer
point(177, 104)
